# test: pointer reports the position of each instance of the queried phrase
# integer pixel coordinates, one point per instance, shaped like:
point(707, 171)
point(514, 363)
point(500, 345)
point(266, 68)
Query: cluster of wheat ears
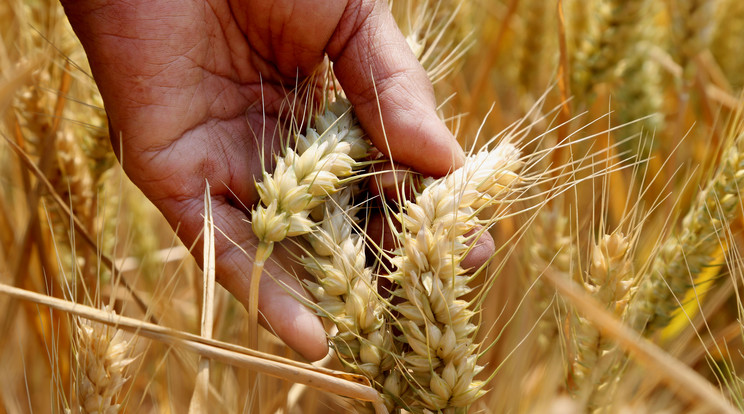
point(605, 158)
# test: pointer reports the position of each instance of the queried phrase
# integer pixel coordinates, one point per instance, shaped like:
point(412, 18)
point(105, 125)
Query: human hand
point(189, 85)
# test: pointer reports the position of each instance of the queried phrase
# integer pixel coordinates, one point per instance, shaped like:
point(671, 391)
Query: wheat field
point(613, 287)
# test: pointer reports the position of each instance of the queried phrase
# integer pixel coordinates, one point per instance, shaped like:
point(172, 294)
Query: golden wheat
point(102, 355)
point(686, 253)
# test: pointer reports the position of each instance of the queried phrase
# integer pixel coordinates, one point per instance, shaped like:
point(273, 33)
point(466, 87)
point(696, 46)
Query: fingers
point(482, 248)
point(390, 91)
point(283, 314)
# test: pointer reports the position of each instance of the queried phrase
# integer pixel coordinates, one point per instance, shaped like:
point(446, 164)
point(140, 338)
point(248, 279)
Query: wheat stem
point(263, 251)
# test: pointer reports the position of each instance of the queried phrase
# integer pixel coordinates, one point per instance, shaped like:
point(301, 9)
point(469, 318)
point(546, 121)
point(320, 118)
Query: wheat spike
point(101, 357)
point(300, 182)
point(440, 359)
point(639, 91)
point(306, 175)
point(534, 49)
point(728, 39)
point(611, 32)
point(691, 28)
point(550, 247)
point(594, 367)
point(346, 292)
point(77, 182)
point(683, 255)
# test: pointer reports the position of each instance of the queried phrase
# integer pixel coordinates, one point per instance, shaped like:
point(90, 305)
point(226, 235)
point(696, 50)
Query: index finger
point(391, 93)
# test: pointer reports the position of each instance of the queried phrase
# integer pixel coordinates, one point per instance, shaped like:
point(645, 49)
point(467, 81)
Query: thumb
point(391, 93)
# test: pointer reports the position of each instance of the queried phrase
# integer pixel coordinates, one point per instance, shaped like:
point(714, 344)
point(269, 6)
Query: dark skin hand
point(194, 90)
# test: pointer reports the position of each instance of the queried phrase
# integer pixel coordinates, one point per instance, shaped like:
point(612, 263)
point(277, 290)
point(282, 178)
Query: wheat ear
point(724, 46)
point(640, 91)
point(685, 254)
point(101, 356)
point(692, 29)
point(301, 181)
point(439, 360)
point(593, 369)
point(551, 248)
point(611, 31)
point(346, 291)
point(534, 44)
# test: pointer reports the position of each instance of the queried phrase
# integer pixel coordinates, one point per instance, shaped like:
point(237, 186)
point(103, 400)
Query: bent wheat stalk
point(288, 370)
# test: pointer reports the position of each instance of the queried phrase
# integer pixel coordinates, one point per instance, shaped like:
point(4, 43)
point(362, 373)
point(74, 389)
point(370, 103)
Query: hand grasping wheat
point(195, 92)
